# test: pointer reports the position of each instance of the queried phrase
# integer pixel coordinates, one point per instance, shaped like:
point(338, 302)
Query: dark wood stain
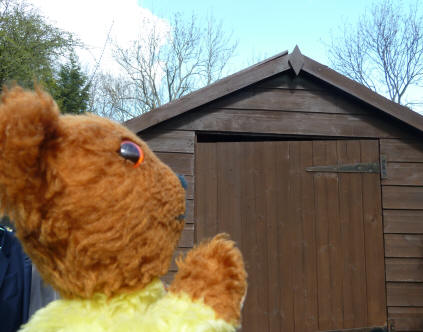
point(403, 221)
point(404, 245)
point(404, 174)
point(406, 319)
point(263, 186)
point(288, 100)
point(169, 140)
point(400, 150)
point(180, 163)
point(402, 197)
point(404, 294)
point(289, 123)
point(404, 270)
point(344, 209)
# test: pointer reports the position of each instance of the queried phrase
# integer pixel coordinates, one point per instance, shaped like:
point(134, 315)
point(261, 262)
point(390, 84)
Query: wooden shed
point(320, 182)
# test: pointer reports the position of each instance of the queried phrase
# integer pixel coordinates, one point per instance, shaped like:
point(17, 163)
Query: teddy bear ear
point(28, 120)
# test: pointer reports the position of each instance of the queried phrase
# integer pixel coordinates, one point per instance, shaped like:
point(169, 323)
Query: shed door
point(312, 241)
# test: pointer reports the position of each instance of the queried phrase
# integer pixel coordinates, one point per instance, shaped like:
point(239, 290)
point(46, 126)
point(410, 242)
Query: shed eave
point(363, 93)
point(265, 69)
point(218, 89)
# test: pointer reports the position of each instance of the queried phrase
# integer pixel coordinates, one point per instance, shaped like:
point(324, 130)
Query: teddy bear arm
point(214, 273)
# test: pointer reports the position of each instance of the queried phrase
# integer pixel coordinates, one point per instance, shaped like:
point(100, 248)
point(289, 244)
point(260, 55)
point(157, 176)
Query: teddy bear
point(100, 216)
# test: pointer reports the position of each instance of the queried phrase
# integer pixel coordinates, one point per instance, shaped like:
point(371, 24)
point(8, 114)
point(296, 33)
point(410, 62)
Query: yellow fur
point(151, 309)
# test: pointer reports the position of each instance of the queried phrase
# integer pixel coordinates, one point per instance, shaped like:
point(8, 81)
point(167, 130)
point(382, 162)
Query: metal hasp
point(351, 168)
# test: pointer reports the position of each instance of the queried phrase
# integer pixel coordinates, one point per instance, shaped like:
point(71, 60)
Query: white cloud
point(91, 21)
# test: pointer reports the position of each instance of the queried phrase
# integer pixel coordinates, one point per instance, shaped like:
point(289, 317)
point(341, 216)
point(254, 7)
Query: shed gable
point(286, 106)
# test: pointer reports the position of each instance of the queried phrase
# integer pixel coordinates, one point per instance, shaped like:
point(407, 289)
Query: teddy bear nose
point(183, 182)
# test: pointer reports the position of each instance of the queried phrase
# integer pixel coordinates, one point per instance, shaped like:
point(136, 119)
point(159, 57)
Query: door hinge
point(383, 168)
point(354, 168)
point(350, 168)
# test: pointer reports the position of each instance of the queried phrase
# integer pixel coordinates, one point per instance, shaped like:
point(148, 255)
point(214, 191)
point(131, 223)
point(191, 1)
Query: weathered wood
point(289, 123)
point(289, 80)
point(242, 79)
point(180, 163)
point(373, 236)
point(403, 221)
point(256, 306)
point(295, 224)
point(404, 269)
point(406, 319)
point(284, 224)
point(270, 178)
point(190, 186)
point(403, 174)
point(228, 162)
point(187, 237)
point(296, 60)
point(307, 289)
point(267, 69)
point(264, 186)
point(189, 211)
point(404, 245)
point(289, 100)
point(404, 294)
point(169, 140)
point(206, 191)
point(402, 150)
point(361, 92)
point(351, 216)
point(329, 238)
point(407, 198)
point(360, 329)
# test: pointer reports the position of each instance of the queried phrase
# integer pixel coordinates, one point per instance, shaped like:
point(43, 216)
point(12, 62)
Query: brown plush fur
point(214, 272)
point(88, 219)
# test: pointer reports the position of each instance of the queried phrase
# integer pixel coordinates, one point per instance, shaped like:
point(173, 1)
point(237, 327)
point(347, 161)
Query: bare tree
point(112, 97)
point(164, 65)
point(383, 51)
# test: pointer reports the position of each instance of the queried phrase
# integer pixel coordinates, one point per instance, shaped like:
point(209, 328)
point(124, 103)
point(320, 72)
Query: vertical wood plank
point(309, 292)
point(285, 234)
point(354, 287)
point(256, 157)
point(272, 197)
point(322, 238)
point(206, 191)
point(373, 232)
point(296, 226)
point(329, 239)
point(256, 306)
point(336, 250)
point(305, 236)
point(229, 159)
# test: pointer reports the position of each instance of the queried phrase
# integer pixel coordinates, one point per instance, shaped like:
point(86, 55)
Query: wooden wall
point(302, 108)
point(403, 228)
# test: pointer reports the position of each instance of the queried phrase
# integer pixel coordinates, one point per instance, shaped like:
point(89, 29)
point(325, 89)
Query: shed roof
point(277, 64)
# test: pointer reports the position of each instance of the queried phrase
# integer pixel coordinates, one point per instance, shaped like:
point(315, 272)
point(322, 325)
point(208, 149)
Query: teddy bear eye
point(131, 151)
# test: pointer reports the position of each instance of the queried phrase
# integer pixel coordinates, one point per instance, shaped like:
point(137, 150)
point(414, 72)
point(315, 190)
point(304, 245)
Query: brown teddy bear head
point(94, 208)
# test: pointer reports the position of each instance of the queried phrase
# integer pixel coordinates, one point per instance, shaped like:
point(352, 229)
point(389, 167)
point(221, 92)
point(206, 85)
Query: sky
point(262, 27)
point(268, 27)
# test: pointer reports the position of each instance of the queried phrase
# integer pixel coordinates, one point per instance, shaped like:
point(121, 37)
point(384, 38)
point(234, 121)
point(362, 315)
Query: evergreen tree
point(71, 89)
